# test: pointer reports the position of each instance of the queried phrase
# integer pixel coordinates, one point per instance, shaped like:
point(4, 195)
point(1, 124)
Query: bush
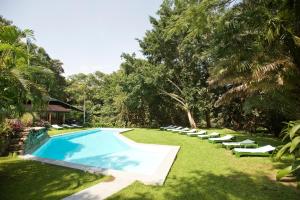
point(27, 119)
point(5, 132)
point(42, 123)
point(102, 124)
point(291, 138)
point(5, 128)
point(16, 125)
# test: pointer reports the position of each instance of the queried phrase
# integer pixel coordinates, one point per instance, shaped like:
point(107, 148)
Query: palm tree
point(16, 76)
point(29, 35)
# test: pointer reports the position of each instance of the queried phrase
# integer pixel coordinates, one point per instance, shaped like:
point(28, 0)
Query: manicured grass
point(201, 171)
point(23, 179)
point(205, 171)
point(65, 130)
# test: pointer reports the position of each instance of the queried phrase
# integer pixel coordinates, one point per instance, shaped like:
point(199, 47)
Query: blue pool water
point(100, 148)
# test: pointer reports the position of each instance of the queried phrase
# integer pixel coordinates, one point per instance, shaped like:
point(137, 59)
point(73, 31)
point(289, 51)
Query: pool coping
point(157, 178)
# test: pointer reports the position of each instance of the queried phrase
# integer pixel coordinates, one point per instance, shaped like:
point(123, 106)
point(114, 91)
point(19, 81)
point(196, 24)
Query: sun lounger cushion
point(226, 137)
point(202, 132)
point(247, 141)
point(264, 149)
point(214, 134)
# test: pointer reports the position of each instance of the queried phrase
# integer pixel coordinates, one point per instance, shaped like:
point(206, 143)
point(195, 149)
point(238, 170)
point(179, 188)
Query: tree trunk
point(191, 119)
point(207, 119)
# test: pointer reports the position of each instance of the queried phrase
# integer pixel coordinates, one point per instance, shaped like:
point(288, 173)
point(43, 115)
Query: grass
point(52, 132)
point(205, 171)
point(24, 179)
point(201, 171)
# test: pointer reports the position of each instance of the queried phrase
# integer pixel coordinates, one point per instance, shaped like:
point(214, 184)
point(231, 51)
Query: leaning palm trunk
point(191, 119)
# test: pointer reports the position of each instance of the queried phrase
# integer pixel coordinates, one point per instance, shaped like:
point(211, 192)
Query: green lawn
point(201, 171)
point(24, 179)
point(205, 171)
point(65, 130)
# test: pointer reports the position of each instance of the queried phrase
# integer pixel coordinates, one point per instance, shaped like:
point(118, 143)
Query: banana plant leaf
point(288, 170)
point(295, 143)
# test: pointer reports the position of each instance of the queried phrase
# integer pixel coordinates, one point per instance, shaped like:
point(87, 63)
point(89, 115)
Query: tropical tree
point(84, 90)
point(186, 72)
point(233, 61)
point(21, 79)
point(263, 73)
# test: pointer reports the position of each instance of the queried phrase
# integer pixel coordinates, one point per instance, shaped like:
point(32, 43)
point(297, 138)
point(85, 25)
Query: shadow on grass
point(22, 179)
point(208, 186)
point(261, 140)
point(137, 196)
point(236, 185)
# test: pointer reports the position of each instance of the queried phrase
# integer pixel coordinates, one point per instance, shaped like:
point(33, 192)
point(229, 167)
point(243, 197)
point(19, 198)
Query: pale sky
point(86, 35)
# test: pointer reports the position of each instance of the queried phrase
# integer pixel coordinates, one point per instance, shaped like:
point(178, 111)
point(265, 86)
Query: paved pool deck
point(102, 190)
point(122, 179)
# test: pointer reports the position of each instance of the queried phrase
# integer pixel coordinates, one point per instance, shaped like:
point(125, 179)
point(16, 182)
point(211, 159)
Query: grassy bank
point(206, 171)
point(201, 171)
point(24, 179)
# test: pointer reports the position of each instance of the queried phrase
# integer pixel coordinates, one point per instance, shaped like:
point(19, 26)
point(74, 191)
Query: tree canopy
point(206, 63)
point(27, 73)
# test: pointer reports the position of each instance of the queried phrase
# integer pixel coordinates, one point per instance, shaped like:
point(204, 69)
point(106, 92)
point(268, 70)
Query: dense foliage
point(230, 63)
point(207, 63)
point(291, 137)
point(220, 62)
point(27, 73)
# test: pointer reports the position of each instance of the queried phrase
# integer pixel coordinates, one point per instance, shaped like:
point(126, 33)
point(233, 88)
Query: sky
point(86, 35)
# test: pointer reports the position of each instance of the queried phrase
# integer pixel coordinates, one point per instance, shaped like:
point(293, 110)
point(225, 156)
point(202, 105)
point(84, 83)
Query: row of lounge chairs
point(241, 148)
point(55, 126)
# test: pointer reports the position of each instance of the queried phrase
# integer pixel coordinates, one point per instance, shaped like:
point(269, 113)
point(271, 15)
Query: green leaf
point(283, 172)
point(295, 143)
point(297, 40)
point(288, 170)
point(294, 130)
point(283, 150)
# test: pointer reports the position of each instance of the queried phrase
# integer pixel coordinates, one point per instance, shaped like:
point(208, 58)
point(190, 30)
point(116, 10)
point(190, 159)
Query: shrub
point(16, 125)
point(42, 123)
point(5, 132)
point(101, 124)
point(27, 119)
point(291, 137)
point(5, 128)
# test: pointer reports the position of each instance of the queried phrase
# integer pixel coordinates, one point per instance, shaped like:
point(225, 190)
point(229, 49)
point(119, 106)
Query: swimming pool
point(104, 149)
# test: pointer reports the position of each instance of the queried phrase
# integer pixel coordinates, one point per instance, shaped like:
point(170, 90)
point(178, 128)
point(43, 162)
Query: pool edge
point(157, 178)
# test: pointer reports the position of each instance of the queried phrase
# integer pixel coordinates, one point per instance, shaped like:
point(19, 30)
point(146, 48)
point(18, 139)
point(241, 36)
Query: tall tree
point(169, 43)
point(21, 79)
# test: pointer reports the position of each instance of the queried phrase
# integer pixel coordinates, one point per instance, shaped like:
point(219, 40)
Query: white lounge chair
point(76, 126)
point(67, 126)
point(194, 134)
point(261, 151)
point(180, 130)
point(244, 143)
point(55, 126)
point(177, 128)
point(225, 138)
point(211, 135)
point(166, 127)
point(189, 131)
